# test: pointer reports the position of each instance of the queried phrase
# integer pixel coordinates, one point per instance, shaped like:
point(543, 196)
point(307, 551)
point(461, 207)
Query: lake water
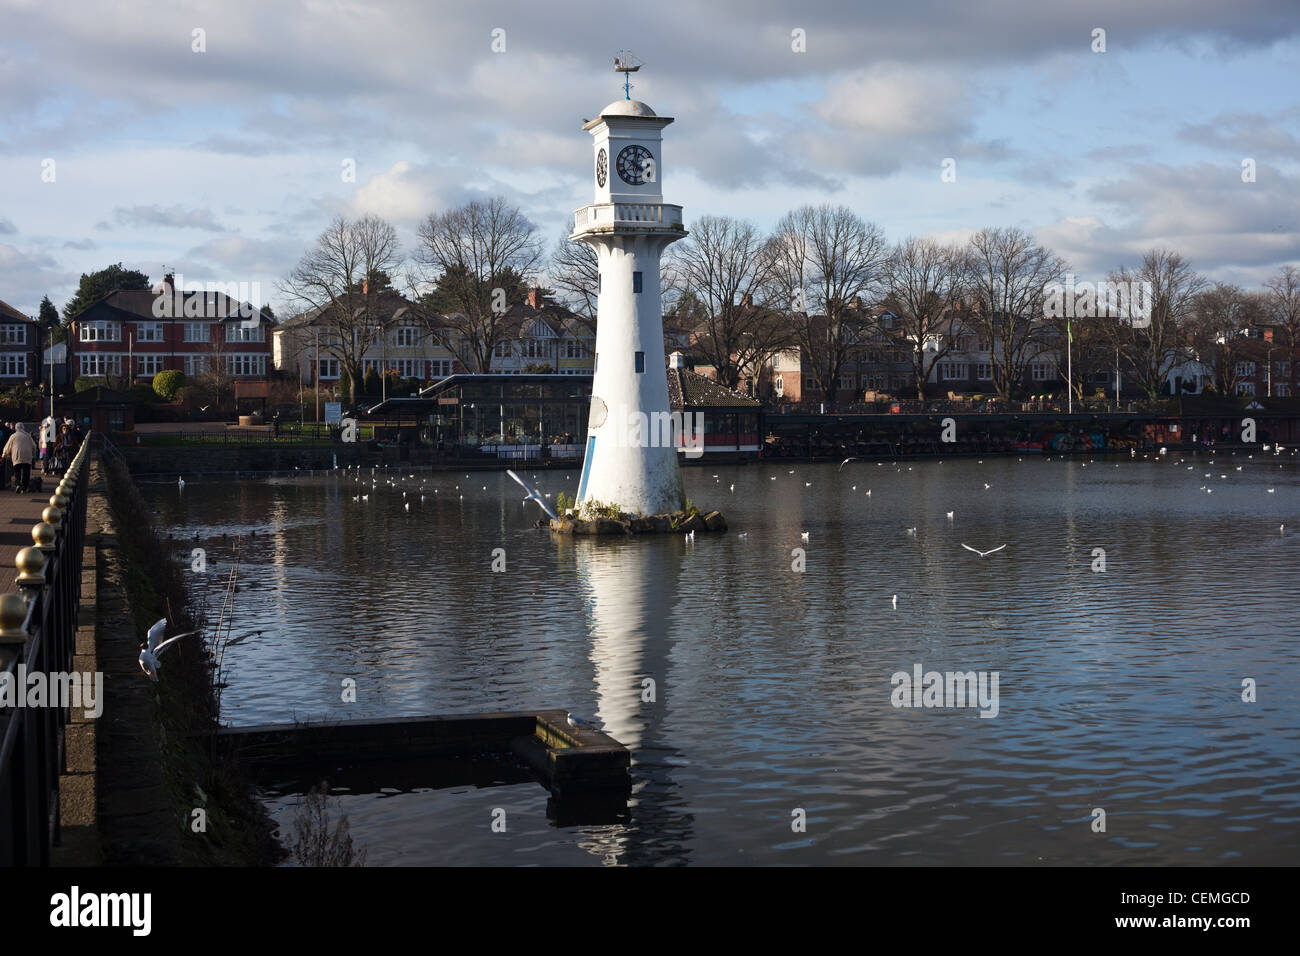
point(1119, 690)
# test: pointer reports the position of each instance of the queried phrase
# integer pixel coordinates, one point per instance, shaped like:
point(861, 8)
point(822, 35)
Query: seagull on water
point(912, 532)
point(155, 645)
point(983, 554)
point(986, 486)
point(690, 535)
point(533, 495)
point(895, 602)
point(803, 535)
point(950, 515)
point(180, 482)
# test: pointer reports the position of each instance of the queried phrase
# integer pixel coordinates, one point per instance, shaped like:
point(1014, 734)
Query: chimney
point(856, 304)
point(365, 287)
point(535, 297)
point(747, 301)
point(169, 284)
point(675, 360)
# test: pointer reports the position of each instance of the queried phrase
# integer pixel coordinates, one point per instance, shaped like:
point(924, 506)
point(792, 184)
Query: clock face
point(602, 168)
point(632, 164)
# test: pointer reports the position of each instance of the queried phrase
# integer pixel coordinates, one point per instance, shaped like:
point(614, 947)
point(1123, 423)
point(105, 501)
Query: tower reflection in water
point(630, 593)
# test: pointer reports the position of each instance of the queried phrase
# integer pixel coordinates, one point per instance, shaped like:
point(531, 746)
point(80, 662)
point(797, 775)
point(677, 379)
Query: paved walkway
point(17, 515)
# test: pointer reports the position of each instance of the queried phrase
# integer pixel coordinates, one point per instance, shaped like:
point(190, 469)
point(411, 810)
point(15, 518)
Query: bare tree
point(473, 258)
point(1009, 275)
point(574, 273)
point(1282, 300)
point(827, 259)
point(726, 266)
point(345, 279)
point(1216, 331)
point(1153, 347)
point(926, 283)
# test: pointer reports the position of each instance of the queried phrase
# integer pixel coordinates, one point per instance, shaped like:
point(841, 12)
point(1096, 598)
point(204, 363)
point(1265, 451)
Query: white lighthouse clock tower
point(631, 460)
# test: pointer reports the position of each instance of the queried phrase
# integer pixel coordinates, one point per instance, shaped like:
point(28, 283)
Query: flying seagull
point(155, 645)
point(983, 554)
point(533, 494)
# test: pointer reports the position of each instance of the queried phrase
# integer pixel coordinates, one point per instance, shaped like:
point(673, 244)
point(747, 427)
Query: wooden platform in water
point(574, 764)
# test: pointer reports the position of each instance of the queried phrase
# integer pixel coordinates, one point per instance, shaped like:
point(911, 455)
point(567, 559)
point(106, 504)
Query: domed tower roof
point(627, 108)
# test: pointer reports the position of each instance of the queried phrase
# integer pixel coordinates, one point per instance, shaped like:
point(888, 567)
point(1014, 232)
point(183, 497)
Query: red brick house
point(136, 334)
point(20, 348)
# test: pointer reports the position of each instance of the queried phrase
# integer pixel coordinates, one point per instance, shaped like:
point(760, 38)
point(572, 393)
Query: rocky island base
point(675, 522)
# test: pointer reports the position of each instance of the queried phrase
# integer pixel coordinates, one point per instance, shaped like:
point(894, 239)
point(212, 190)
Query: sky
point(212, 139)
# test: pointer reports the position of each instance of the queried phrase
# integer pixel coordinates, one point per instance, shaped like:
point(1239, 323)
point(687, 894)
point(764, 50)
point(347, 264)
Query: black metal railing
point(38, 630)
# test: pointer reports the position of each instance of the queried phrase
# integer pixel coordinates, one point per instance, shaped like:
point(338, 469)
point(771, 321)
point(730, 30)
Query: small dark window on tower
point(640, 361)
point(636, 282)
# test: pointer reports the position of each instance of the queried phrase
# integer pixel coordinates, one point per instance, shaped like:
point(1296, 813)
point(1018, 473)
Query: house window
point(195, 365)
point(953, 370)
point(196, 331)
point(329, 368)
point(237, 333)
point(780, 385)
point(640, 358)
point(101, 331)
point(246, 365)
point(636, 282)
point(1245, 388)
point(440, 368)
point(404, 337)
point(149, 332)
point(1245, 368)
point(96, 364)
point(404, 367)
point(1282, 390)
point(13, 364)
point(1041, 372)
point(984, 371)
point(148, 365)
point(1283, 369)
point(502, 349)
point(13, 334)
point(369, 365)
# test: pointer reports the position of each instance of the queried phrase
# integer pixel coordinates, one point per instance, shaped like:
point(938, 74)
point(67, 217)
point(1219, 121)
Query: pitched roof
point(383, 301)
point(10, 314)
point(139, 304)
point(688, 389)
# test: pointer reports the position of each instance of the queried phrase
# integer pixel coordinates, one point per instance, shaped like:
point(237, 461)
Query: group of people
point(54, 445)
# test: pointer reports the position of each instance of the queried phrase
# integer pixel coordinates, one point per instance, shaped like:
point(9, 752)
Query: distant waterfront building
point(123, 334)
point(20, 348)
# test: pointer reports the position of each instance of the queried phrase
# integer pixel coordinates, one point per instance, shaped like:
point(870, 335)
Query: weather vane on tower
point(627, 64)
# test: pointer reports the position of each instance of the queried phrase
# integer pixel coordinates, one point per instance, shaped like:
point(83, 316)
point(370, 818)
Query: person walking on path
point(20, 450)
